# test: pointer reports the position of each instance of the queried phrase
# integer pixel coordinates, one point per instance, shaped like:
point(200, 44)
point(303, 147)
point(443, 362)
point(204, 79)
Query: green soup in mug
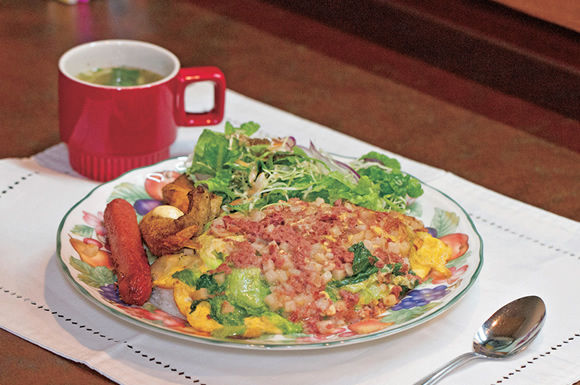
point(119, 76)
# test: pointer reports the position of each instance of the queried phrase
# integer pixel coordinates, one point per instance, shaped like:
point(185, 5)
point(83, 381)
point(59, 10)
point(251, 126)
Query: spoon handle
point(437, 374)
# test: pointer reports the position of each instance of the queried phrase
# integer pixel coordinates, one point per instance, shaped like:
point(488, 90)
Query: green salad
point(254, 173)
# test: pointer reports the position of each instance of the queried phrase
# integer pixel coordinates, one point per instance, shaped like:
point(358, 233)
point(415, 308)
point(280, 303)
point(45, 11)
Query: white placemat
point(527, 251)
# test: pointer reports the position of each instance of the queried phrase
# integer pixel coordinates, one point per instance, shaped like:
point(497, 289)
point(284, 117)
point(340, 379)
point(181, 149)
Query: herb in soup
point(119, 76)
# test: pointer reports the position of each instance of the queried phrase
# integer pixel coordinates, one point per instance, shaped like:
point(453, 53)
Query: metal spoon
point(507, 332)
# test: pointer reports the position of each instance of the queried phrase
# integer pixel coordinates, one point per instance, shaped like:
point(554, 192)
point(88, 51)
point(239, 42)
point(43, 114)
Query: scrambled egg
point(207, 259)
point(256, 326)
point(429, 253)
point(164, 267)
point(199, 319)
point(183, 296)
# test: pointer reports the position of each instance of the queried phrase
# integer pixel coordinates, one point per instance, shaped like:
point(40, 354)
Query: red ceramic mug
point(112, 129)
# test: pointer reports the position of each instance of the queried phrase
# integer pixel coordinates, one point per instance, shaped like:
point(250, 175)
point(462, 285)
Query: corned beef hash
point(297, 267)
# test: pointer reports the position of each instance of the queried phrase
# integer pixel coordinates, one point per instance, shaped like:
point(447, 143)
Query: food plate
point(83, 255)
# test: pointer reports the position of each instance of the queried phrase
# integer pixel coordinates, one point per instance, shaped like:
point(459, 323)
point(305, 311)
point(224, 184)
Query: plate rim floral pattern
point(159, 323)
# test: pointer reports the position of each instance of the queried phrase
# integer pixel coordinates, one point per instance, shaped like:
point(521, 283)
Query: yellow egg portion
point(164, 267)
point(256, 326)
point(431, 253)
point(199, 319)
point(167, 281)
point(183, 297)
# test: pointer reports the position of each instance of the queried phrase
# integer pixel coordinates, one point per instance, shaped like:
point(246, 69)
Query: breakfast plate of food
point(265, 243)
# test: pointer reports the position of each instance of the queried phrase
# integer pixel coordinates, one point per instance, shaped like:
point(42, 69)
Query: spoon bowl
point(507, 332)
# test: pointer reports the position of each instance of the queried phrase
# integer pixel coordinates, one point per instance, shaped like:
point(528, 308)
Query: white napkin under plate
point(527, 251)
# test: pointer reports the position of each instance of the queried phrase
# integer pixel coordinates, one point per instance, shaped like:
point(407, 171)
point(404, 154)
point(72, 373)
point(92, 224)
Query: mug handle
point(190, 75)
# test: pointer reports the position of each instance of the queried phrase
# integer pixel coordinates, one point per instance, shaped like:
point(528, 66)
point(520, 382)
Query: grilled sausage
point(127, 253)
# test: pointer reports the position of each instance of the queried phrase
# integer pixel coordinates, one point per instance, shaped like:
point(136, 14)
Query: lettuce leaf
point(197, 280)
point(187, 276)
point(283, 324)
point(247, 129)
point(363, 266)
point(246, 290)
point(368, 290)
point(212, 152)
point(229, 331)
point(232, 318)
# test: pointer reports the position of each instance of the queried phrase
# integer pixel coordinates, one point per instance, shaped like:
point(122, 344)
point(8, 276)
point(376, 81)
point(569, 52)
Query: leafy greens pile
point(253, 173)
point(245, 291)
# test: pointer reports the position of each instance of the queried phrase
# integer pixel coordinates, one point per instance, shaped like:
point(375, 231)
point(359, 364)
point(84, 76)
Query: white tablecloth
point(527, 252)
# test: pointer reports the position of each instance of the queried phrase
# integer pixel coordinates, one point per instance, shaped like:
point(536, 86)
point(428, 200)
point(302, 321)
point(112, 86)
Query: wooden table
point(325, 70)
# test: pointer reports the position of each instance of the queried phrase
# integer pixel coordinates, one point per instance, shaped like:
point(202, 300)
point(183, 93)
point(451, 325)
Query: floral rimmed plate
point(84, 258)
